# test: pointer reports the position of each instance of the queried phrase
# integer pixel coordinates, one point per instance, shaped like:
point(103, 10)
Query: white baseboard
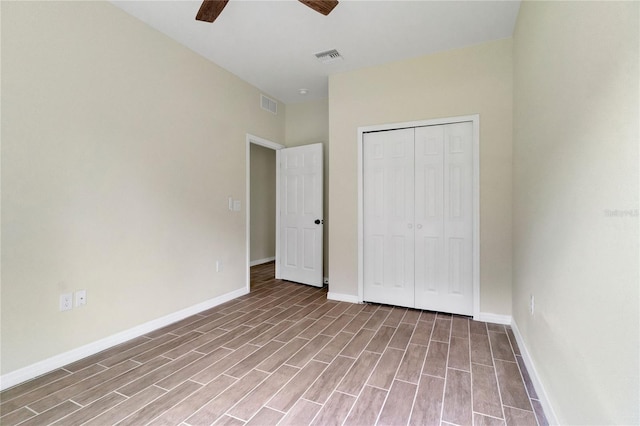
point(343, 297)
point(494, 318)
point(41, 367)
point(535, 379)
point(261, 261)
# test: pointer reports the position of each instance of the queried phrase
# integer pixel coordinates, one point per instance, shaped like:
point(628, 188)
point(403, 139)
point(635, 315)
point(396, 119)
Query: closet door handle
point(419, 226)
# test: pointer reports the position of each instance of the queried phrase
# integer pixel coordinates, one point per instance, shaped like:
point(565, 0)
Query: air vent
point(329, 56)
point(269, 104)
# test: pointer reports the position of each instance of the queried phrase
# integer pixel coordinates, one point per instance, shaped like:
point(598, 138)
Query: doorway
point(298, 212)
point(264, 220)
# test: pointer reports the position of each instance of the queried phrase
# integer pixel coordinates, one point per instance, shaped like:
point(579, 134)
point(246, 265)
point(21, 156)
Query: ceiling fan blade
point(210, 9)
point(322, 6)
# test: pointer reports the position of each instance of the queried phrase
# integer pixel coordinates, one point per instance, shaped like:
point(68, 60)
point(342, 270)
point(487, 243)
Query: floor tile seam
point(247, 392)
point(29, 409)
point(521, 409)
point(192, 412)
point(58, 390)
point(310, 359)
point(471, 399)
point(386, 397)
point(321, 406)
point(419, 344)
point(266, 404)
point(313, 402)
point(468, 339)
point(125, 400)
point(310, 385)
point(123, 385)
point(431, 375)
point(165, 407)
point(526, 388)
point(504, 360)
point(287, 341)
point(364, 385)
point(234, 417)
point(487, 415)
point(361, 350)
point(446, 369)
point(415, 396)
point(495, 373)
point(3, 400)
point(492, 365)
point(63, 417)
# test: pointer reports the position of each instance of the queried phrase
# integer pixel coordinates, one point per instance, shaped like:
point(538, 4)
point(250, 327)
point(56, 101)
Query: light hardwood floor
point(284, 354)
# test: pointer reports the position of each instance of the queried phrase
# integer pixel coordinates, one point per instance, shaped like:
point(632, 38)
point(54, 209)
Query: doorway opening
point(261, 226)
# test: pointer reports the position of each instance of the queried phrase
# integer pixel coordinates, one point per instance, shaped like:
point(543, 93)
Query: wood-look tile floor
point(284, 354)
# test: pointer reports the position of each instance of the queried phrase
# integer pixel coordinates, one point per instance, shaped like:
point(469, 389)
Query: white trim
point(261, 261)
point(340, 297)
point(39, 368)
point(263, 142)
point(535, 378)
point(278, 275)
point(252, 139)
point(475, 119)
point(493, 318)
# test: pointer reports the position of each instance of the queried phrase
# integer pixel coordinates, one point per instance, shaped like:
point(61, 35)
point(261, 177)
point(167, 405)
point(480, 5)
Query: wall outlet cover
point(81, 297)
point(66, 301)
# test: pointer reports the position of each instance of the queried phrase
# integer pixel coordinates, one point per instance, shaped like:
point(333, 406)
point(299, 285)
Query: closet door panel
point(429, 233)
point(388, 188)
point(457, 292)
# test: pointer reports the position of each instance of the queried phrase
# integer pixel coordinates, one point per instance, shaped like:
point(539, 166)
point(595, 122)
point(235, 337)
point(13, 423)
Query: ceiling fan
point(210, 9)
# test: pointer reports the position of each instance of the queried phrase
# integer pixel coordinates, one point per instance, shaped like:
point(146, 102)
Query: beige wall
point(307, 123)
point(119, 150)
point(575, 158)
point(473, 80)
point(263, 203)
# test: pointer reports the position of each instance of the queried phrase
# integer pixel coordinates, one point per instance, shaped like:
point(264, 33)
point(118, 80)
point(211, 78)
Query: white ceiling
point(272, 44)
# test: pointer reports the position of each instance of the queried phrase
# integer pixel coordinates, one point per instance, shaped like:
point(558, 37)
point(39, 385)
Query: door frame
point(256, 140)
point(475, 120)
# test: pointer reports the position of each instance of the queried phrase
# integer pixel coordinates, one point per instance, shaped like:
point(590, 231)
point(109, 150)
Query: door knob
point(419, 226)
point(318, 221)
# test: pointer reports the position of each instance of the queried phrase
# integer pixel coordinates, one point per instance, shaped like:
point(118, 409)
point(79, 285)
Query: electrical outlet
point(532, 304)
point(81, 297)
point(66, 302)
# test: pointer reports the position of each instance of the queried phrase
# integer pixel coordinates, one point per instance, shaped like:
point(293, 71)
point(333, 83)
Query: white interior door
point(444, 218)
point(299, 254)
point(418, 217)
point(388, 197)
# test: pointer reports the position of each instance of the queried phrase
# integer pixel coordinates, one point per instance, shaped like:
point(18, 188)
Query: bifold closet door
point(388, 204)
point(444, 218)
point(418, 220)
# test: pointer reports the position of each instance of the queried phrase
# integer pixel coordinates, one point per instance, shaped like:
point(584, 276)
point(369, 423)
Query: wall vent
point(269, 104)
point(329, 56)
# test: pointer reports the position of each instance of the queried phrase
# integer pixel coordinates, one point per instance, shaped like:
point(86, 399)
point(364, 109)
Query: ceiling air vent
point(269, 104)
point(329, 56)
